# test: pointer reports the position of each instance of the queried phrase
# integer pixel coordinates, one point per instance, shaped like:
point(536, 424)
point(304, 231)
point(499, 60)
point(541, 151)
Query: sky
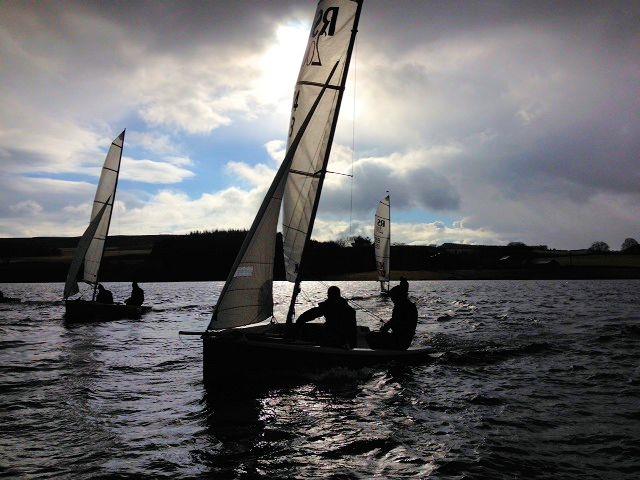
point(488, 122)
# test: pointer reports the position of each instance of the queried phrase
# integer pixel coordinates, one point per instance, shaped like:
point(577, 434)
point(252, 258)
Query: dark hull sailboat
point(261, 350)
point(237, 341)
point(88, 311)
point(10, 300)
point(90, 249)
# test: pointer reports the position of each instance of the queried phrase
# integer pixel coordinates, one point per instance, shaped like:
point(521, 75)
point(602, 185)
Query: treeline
point(209, 255)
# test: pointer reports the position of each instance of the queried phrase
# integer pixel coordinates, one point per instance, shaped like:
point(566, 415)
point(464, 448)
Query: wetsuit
point(104, 296)
point(137, 296)
point(404, 320)
point(340, 322)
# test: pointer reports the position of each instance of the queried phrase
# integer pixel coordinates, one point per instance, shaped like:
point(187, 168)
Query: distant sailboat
point(247, 297)
point(90, 249)
point(382, 242)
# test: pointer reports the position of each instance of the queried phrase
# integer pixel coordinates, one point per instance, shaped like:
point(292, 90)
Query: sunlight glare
point(280, 63)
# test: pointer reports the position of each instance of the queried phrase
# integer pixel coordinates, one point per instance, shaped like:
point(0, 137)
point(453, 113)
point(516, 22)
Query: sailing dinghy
point(237, 340)
point(90, 249)
point(382, 243)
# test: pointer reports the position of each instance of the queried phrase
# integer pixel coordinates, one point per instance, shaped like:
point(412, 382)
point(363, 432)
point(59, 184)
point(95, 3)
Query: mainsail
point(105, 195)
point(101, 214)
point(247, 296)
point(331, 40)
point(382, 239)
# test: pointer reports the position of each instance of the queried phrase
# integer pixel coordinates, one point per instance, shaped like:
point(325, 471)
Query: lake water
point(532, 379)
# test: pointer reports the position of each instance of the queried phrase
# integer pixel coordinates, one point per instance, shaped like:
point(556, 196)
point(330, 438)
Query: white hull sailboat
point(90, 249)
point(382, 242)
point(237, 339)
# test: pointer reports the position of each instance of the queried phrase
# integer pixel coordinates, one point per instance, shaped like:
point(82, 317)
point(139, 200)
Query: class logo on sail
point(323, 25)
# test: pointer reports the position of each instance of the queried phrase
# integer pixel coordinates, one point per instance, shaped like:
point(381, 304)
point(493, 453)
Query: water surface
point(532, 379)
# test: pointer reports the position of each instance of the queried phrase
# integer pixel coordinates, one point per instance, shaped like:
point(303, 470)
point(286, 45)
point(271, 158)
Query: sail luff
point(106, 190)
point(325, 161)
point(274, 193)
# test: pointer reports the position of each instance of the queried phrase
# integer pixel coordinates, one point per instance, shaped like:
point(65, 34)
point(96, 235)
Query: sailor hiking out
point(104, 295)
point(340, 320)
point(397, 333)
point(137, 295)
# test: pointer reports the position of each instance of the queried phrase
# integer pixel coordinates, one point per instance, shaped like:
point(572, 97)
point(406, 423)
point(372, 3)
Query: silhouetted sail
point(105, 196)
point(71, 285)
point(91, 245)
point(247, 297)
point(331, 40)
point(382, 239)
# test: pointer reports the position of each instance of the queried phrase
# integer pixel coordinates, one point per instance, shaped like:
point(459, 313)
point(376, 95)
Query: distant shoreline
point(575, 273)
point(208, 256)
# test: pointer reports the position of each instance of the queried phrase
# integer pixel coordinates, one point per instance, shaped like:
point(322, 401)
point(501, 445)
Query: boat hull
point(256, 351)
point(10, 300)
point(84, 311)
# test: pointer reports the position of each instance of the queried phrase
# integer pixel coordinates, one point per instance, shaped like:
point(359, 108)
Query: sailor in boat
point(104, 295)
point(398, 332)
point(404, 284)
point(340, 329)
point(137, 295)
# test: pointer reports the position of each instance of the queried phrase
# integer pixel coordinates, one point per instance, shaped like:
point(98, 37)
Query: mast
point(322, 172)
point(113, 203)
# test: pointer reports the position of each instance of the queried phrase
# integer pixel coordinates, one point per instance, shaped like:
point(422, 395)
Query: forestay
point(105, 196)
point(330, 42)
point(247, 297)
point(382, 238)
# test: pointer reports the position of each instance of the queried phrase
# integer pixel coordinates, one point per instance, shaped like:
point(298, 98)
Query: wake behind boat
point(90, 250)
point(232, 343)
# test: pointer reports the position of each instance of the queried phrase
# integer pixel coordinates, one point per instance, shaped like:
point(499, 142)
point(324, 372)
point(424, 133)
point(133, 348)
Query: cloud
point(259, 175)
point(27, 207)
point(519, 119)
point(150, 171)
point(152, 142)
point(409, 176)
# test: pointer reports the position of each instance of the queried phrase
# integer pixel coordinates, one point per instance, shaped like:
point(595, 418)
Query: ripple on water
point(529, 379)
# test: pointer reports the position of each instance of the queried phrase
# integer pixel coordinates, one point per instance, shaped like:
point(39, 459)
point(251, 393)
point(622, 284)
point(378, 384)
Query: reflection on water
point(536, 377)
